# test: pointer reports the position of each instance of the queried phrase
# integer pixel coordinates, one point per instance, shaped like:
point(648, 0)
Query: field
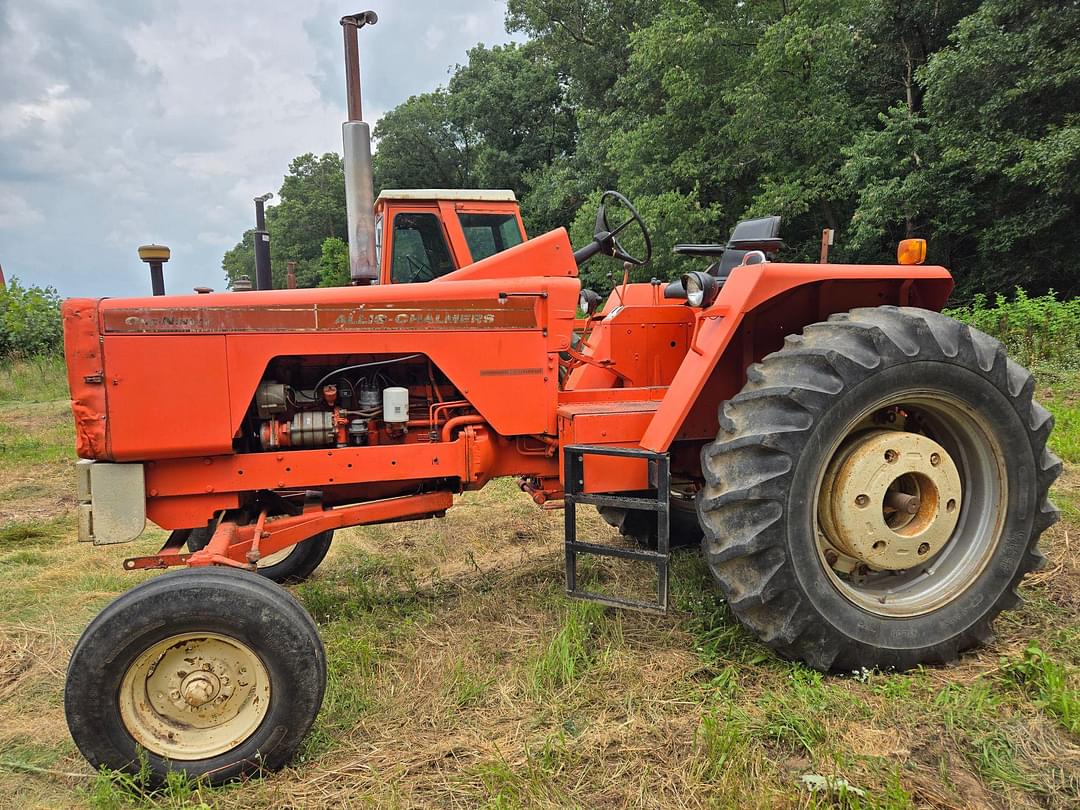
point(461, 677)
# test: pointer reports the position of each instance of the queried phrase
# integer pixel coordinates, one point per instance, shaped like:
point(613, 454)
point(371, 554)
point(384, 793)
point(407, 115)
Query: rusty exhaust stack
point(359, 183)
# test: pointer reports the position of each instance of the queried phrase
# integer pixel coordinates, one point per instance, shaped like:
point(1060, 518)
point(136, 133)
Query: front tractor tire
point(877, 490)
point(211, 672)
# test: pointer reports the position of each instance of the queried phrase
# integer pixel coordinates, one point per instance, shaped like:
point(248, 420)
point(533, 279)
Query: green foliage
point(571, 651)
point(1048, 683)
point(1036, 331)
point(30, 323)
point(35, 379)
point(115, 790)
point(953, 120)
point(310, 208)
point(334, 263)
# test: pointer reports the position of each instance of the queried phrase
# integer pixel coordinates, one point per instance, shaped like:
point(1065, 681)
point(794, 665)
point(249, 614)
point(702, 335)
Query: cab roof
point(452, 194)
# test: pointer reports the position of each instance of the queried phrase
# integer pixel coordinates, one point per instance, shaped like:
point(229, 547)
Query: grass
point(459, 676)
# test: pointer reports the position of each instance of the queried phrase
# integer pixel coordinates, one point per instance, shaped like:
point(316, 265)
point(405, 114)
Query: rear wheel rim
point(194, 696)
point(275, 558)
point(959, 521)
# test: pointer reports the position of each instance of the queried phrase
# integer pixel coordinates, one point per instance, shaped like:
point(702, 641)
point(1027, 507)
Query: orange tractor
point(867, 478)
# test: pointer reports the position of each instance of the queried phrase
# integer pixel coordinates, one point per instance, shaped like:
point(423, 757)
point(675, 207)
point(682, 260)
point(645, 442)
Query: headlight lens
point(695, 291)
point(588, 302)
point(701, 289)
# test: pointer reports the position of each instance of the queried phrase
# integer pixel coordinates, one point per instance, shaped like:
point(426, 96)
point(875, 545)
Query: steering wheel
point(605, 239)
point(419, 270)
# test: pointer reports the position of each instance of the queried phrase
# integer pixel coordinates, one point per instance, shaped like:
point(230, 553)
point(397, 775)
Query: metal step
point(659, 481)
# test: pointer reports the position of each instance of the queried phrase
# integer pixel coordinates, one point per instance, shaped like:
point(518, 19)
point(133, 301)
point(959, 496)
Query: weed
point(1047, 682)
point(368, 584)
point(1036, 331)
point(571, 651)
point(25, 557)
point(463, 688)
point(720, 737)
point(792, 715)
point(40, 379)
point(113, 790)
point(36, 534)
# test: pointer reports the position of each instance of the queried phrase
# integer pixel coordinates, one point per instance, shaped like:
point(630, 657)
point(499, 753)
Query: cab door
point(414, 246)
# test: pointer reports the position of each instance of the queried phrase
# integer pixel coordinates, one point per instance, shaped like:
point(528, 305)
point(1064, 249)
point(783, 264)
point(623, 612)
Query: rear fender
point(757, 308)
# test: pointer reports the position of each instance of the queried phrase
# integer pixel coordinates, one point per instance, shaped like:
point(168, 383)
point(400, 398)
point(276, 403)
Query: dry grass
point(460, 677)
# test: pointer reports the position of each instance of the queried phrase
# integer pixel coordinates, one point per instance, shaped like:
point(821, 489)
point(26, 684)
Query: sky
point(129, 122)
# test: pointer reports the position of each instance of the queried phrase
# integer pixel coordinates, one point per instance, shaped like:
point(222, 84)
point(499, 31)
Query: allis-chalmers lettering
point(312, 318)
point(359, 317)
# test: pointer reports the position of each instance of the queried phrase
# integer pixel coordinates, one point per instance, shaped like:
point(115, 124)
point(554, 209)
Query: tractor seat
point(750, 234)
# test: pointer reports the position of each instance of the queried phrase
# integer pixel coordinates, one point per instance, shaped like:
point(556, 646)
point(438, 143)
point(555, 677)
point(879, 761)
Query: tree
point(310, 209)
point(334, 263)
point(952, 120)
point(420, 145)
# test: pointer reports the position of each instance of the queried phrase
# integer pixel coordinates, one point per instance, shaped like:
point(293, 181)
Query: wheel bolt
point(891, 456)
point(935, 459)
point(862, 500)
point(923, 548)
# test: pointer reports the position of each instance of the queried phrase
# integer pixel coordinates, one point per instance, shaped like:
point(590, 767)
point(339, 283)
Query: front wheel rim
point(193, 696)
point(970, 507)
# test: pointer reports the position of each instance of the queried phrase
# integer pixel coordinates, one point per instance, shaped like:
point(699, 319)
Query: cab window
point(420, 252)
point(378, 240)
point(488, 234)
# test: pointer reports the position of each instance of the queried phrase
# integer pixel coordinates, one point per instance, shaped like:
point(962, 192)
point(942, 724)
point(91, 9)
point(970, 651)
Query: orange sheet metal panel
point(612, 423)
point(168, 396)
point(300, 469)
point(86, 375)
point(747, 289)
point(496, 339)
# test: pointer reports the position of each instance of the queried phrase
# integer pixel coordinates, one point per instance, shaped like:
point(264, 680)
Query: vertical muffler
point(359, 183)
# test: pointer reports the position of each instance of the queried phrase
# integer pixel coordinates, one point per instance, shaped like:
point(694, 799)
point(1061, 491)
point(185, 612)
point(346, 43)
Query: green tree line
point(953, 120)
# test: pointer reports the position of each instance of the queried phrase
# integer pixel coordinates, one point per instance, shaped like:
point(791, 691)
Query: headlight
point(588, 302)
point(701, 288)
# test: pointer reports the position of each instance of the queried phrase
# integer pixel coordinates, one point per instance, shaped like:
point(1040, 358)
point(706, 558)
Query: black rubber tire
point(761, 474)
point(230, 602)
point(639, 525)
point(300, 564)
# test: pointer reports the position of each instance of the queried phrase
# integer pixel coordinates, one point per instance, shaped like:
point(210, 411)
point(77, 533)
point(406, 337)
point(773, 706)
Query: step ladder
point(659, 482)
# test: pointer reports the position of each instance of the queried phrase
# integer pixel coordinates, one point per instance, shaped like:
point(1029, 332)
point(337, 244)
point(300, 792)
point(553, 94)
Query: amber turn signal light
point(911, 251)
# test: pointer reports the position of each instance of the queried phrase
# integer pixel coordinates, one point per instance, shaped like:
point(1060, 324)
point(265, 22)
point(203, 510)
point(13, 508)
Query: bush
point(1036, 331)
point(29, 321)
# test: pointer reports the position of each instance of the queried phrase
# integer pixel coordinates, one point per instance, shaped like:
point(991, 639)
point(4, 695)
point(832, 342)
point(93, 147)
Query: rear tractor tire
point(289, 566)
point(210, 671)
point(877, 490)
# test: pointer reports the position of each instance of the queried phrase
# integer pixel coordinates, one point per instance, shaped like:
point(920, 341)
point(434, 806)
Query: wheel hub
point(194, 696)
point(890, 500)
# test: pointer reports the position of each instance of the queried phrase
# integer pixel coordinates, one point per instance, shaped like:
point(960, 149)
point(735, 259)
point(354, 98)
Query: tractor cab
point(422, 234)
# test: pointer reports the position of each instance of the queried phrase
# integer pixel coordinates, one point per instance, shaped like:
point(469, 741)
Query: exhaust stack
point(359, 183)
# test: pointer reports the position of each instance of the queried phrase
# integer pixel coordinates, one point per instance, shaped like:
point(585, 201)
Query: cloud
point(126, 123)
point(16, 212)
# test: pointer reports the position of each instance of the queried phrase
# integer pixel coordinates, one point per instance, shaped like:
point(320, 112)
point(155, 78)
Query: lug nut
point(923, 548)
point(862, 500)
point(891, 456)
point(935, 459)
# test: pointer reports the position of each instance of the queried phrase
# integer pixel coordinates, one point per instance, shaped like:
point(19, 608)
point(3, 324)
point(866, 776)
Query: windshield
point(488, 234)
point(420, 252)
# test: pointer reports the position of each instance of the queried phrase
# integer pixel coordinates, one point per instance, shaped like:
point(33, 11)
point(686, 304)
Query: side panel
point(86, 378)
point(168, 396)
point(760, 292)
